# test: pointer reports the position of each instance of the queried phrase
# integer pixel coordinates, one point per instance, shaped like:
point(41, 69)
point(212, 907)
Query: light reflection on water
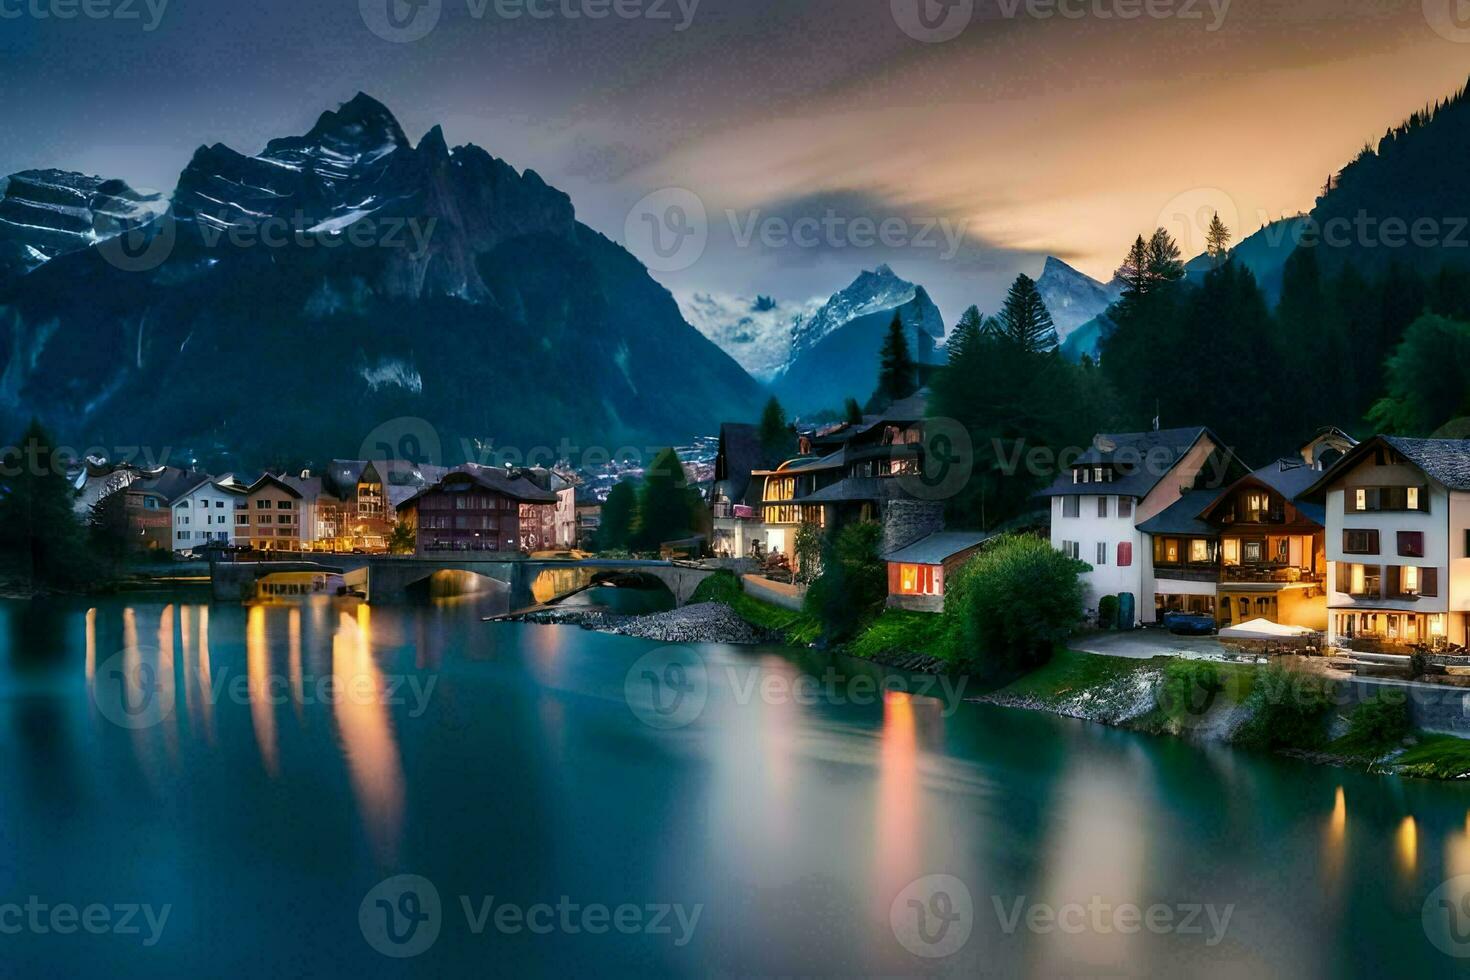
point(523, 774)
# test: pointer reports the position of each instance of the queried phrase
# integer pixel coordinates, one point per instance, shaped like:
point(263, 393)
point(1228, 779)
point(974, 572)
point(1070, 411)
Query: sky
point(782, 146)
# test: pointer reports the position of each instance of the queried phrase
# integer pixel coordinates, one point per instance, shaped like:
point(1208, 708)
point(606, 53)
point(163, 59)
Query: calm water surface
point(505, 760)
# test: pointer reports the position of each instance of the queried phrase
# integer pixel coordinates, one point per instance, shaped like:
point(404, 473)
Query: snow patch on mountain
point(390, 372)
point(871, 292)
point(756, 331)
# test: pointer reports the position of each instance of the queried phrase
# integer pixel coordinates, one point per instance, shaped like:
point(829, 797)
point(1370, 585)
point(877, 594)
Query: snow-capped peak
point(870, 292)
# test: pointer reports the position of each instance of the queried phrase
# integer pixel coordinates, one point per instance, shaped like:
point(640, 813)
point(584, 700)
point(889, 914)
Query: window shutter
point(1373, 545)
point(1429, 581)
point(1391, 577)
point(1374, 502)
point(1125, 554)
point(1344, 577)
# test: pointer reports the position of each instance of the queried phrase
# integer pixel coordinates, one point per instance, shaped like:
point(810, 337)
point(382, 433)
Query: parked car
point(1189, 624)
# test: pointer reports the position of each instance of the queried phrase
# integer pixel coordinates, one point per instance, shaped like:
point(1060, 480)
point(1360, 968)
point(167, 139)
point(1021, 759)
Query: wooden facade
point(481, 512)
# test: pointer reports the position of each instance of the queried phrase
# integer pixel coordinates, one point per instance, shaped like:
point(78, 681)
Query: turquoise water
point(751, 811)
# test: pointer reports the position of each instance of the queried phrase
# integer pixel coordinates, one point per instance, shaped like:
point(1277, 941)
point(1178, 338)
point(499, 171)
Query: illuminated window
point(1413, 498)
point(1360, 499)
point(1359, 580)
point(1409, 580)
point(1199, 550)
point(918, 580)
point(1232, 551)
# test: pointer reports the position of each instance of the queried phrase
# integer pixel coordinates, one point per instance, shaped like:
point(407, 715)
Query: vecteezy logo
point(407, 439)
point(400, 21)
point(933, 917)
point(668, 229)
point(400, 917)
point(140, 247)
point(944, 466)
point(131, 692)
point(1450, 19)
point(667, 688)
point(1446, 917)
point(933, 21)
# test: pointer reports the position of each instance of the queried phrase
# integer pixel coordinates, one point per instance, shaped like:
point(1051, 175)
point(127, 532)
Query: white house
point(203, 514)
point(1123, 480)
point(1398, 542)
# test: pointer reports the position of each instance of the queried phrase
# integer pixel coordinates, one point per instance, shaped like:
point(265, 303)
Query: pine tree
point(664, 511)
point(1024, 320)
point(41, 538)
point(854, 412)
point(1134, 271)
point(1164, 264)
point(618, 514)
point(966, 334)
point(1217, 241)
point(775, 433)
point(897, 373)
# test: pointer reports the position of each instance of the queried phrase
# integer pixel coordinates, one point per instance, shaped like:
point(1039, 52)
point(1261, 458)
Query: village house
point(268, 517)
point(148, 502)
point(95, 479)
point(1253, 550)
point(363, 498)
point(1122, 481)
point(1398, 543)
point(735, 496)
point(480, 509)
point(205, 514)
point(918, 573)
point(872, 474)
point(589, 517)
point(563, 532)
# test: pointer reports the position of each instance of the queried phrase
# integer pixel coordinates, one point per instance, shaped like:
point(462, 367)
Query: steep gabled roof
point(1183, 516)
point(170, 483)
point(272, 479)
point(1446, 461)
point(1144, 459)
point(515, 485)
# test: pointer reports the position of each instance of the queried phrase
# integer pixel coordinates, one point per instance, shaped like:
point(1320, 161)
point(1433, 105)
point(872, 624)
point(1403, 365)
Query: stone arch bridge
point(528, 582)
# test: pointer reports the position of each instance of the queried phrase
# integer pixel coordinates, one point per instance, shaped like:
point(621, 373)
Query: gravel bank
point(706, 622)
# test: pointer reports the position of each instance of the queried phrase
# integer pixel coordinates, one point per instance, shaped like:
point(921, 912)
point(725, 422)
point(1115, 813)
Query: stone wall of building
point(907, 521)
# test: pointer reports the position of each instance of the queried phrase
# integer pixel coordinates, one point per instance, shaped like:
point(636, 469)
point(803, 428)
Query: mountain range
point(755, 330)
point(291, 301)
point(834, 352)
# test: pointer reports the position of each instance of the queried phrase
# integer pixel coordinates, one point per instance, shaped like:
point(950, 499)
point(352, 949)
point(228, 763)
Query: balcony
point(1279, 574)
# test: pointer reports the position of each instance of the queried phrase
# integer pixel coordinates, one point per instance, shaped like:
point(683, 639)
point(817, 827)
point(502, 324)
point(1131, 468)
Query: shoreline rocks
point(706, 622)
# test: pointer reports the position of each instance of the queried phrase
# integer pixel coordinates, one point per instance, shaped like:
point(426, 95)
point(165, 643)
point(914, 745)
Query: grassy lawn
point(899, 631)
point(1436, 757)
point(1069, 673)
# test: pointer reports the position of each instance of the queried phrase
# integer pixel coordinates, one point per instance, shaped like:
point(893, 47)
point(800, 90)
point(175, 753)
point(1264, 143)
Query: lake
point(191, 786)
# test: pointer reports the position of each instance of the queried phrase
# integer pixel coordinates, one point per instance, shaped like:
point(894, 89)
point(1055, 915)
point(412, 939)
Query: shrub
point(853, 584)
point(1286, 710)
point(1189, 689)
point(1380, 723)
point(1107, 612)
point(1010, 604)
